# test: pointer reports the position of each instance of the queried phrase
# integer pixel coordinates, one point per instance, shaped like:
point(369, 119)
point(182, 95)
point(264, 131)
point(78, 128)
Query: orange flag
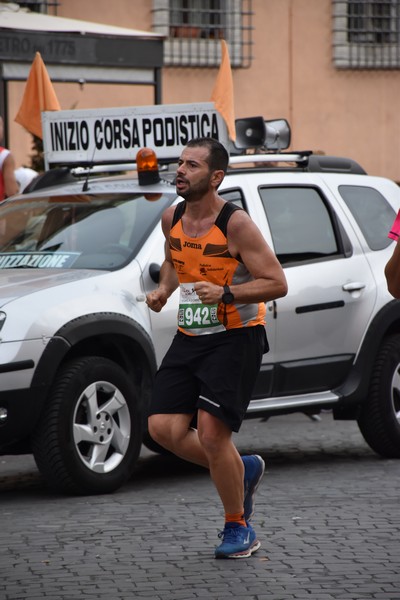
point(222, 94)
point(39, 95)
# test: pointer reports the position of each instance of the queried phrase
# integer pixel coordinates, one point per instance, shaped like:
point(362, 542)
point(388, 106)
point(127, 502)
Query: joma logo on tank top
point(192, 245)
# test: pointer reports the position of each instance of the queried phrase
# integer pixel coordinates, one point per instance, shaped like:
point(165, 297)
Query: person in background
point(8, 183)
point(226, 272)
point(24, 176)
point(392, 272)
point(392, 268)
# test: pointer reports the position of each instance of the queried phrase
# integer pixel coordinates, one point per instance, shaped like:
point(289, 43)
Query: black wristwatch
point(227, 296)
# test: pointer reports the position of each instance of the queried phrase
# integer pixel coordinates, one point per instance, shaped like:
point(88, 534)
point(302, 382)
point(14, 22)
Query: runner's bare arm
point(11, 186)
point(246, 240)
point(168, 278)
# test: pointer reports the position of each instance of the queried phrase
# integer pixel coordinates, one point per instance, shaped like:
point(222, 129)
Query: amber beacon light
point(147, 166)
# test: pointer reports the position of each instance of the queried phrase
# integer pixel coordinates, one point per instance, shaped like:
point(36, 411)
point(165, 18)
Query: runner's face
point(193, 175)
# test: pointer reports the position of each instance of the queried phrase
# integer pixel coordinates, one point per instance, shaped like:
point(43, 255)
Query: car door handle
point(272, 308)
point(353, 286)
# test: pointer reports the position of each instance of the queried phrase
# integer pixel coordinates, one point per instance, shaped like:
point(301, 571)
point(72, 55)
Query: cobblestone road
point(327, 514)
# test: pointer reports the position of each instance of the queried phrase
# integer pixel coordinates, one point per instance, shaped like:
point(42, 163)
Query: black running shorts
point(215, 372)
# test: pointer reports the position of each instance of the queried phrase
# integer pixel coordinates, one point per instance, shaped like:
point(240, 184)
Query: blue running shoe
point(253, 471)
point(237, 541)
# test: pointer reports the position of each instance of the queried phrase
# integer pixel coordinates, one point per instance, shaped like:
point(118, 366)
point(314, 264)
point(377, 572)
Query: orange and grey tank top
point(207, 258)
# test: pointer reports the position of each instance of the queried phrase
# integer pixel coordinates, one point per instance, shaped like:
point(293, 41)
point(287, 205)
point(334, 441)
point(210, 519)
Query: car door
point(320, 323)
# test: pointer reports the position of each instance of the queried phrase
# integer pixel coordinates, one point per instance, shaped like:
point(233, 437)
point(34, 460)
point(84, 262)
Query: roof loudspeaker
point(254, 132)
point(250, 133)
point(277, 134)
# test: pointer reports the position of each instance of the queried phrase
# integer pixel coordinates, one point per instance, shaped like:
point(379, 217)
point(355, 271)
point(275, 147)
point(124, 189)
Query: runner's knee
point(157, 428)
point(214, 435)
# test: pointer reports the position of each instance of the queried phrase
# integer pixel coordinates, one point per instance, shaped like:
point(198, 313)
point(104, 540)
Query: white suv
point(79, 347)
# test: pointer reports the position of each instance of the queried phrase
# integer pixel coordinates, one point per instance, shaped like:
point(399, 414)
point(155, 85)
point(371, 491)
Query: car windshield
point(78, 231)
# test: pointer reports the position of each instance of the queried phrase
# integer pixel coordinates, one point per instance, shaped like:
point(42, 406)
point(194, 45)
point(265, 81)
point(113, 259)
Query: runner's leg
point(174, 433)
point(225, 464)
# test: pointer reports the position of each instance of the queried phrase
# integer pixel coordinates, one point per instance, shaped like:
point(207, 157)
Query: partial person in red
point(226, 273)
point(392, 268)
point(8, 183)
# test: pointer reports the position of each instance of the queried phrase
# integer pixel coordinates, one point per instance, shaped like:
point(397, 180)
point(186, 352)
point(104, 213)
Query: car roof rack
point(318, 163)
point(304, 160)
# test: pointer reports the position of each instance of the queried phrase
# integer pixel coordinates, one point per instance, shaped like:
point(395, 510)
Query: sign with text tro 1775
point(114, 135)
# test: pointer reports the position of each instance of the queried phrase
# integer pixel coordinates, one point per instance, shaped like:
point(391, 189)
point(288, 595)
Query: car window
point(77, 231)
point(372, 212)
point(235, 196)
point(301, 225)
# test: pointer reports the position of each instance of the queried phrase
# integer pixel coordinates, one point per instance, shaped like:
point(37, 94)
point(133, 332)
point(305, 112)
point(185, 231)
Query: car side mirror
point(154, 272)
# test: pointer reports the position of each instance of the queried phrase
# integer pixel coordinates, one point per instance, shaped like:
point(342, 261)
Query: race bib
point(192, 313)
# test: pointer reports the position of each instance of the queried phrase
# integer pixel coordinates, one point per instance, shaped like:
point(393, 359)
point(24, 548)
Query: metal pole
point(3, 107)
point(157, 86)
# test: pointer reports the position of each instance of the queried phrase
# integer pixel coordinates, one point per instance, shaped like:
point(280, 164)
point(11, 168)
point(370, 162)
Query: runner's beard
point(197, 191)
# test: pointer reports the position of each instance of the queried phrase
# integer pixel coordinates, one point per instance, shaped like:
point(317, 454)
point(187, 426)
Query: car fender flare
point(387, 320)
point(85, 327)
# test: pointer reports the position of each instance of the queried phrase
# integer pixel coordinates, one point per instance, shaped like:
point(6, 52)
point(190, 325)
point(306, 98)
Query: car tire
point(379, 421)
point(90, 432)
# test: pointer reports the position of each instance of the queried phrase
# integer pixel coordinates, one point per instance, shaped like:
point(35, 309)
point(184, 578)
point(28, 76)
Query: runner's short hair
point(218, 157)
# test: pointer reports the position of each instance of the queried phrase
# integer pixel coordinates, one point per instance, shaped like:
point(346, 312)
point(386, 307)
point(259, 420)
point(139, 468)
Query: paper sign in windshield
point(37, 260)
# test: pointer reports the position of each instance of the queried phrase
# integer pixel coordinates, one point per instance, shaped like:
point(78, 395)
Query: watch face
point(227, 298)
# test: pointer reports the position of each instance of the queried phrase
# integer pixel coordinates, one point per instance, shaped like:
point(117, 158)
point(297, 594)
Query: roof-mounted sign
point(114, 135)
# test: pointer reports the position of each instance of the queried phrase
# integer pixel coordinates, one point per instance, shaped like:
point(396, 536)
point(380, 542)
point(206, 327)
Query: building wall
point(342, 112)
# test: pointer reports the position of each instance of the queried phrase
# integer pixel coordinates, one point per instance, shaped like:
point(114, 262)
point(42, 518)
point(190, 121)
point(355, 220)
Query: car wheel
point(379, 421)
point(89, 436)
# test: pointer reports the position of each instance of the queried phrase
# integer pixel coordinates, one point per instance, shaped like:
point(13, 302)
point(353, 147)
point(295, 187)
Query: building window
point(366, 34)
point(371, 22)
point(193, 29)
point(190, 18)
point(39, 6)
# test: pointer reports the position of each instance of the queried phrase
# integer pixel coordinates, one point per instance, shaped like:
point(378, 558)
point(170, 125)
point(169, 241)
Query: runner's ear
point(217, 177)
